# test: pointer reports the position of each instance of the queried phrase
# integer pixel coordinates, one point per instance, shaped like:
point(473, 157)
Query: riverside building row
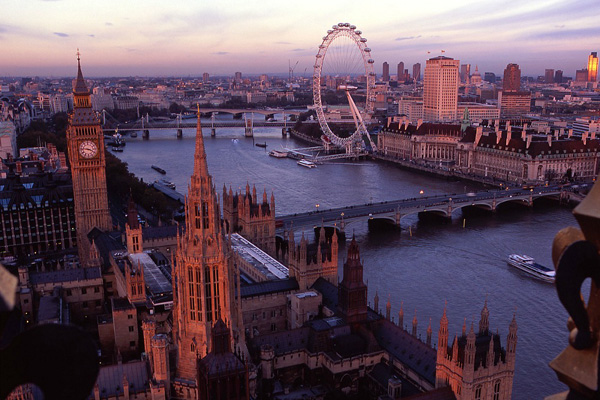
point(501, 151)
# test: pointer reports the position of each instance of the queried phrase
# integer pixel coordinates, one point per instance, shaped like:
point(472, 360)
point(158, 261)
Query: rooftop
point(260, 260)
point(154, 279)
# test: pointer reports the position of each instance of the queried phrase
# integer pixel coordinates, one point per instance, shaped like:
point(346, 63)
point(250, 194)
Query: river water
point(422, 265)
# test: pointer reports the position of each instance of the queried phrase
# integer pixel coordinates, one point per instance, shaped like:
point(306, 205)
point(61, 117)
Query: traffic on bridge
point(394, 210)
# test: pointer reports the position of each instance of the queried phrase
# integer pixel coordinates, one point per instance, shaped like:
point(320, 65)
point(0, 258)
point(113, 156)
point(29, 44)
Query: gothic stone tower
point(307, 266)
point(133, 229)
point(86, 155)
point(476, 366)
point(253, 220)
point(352, 290)
point(202, 280)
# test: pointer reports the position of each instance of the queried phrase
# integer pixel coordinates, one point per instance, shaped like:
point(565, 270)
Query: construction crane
point(291, 70)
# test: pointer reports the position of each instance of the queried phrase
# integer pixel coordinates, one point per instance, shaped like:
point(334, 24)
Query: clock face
point(88, 149)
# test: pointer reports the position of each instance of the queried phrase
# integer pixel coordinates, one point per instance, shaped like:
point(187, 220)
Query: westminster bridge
point(393, 211)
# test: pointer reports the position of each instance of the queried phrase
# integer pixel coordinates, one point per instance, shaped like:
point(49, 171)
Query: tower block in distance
point(88, 167)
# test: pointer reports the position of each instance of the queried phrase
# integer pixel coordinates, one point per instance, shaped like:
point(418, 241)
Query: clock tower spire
point(87, 159)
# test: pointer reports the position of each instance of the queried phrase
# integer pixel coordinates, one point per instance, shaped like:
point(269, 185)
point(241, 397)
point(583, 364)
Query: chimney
point(549, 138)
point(19, 167)
point(523, 134)
point(592, 135)
point(556, 134)
point(478, 134)
point(584, 136)
point(508, 133)
point(497, 125)
point(419, 123)
point(498, 136)
point(528, 141)
point(570, 133)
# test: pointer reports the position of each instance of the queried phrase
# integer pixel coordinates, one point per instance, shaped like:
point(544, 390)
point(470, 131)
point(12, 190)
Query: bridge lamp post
point(342, 226)
point(317, 206)
point(421, 191)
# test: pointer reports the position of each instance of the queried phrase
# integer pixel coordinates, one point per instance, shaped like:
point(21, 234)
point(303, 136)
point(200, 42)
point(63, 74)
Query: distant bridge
point(109, 124)
point(393, 211)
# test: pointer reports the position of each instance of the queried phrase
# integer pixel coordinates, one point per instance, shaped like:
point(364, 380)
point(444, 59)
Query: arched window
point(497, 390)
point(478, 393)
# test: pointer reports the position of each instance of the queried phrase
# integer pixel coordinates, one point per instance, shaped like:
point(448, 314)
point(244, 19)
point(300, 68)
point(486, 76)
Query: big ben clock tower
point(86, 155)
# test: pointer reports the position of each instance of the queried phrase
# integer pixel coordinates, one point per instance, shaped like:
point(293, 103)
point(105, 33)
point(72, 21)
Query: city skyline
point(124, 39)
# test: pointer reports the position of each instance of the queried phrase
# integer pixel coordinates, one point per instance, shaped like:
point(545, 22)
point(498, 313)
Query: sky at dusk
point(181, 38)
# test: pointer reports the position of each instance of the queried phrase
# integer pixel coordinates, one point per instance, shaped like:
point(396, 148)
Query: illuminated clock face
point(88, 149)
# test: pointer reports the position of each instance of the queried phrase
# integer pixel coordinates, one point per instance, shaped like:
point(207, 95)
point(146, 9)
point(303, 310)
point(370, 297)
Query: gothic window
point(197, 216)
point(140, 289)
point(497, 390)
point(208, 294)
point(478, 393)
point(205, 214)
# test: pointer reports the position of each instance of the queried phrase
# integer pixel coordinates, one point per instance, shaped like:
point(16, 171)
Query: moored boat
point(528, 264)
point(263, 145)
point(278, 153)
point(307, 164)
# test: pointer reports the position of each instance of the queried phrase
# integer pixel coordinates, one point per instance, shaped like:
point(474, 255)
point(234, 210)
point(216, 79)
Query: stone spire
point(414, 325)
point(429, 333)
point(200, 166)
point(464, 327)
point(388, 308)
point(443, 337)
point(80, 87)
point(484, 323)
point(401, 315)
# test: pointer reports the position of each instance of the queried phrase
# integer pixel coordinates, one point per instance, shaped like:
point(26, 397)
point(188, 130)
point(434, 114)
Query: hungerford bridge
point(394, 211)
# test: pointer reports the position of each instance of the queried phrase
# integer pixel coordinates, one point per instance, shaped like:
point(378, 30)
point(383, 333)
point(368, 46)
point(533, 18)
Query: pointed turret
point(484, 323)
point(401, 315)
point(443, 337)
point(265, 196)
point(376, 302)
point(470, 349)
point(429, 332)
point(388, 308)
point(511, 341)
point(414, 325)
point(464, 327)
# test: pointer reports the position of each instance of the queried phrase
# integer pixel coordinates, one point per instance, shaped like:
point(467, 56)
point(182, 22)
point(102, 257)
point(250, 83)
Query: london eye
point(343, 87)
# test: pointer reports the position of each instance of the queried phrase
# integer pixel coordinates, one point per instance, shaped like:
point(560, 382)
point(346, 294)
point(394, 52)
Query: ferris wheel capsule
point(358, 32)
point(334, 27)
point(364, 40)
point(371, 61)
point(329, 32)
point(367, 49)
point(353, 27)
point(341, 24)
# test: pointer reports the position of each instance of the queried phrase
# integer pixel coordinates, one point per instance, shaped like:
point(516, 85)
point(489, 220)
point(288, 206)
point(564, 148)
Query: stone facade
point(476, 366)
point(307, 265)
point(242, 213)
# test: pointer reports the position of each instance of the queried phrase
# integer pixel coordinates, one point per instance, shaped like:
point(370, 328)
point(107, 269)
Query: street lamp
point(317, 205)
point(421, 191)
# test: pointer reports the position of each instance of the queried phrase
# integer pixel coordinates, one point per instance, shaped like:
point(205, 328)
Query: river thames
point(422, 265)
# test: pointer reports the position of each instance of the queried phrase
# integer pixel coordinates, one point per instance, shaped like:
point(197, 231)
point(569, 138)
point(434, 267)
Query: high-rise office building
point(558, 76)
point(386, 72)
point(238, 76)
point(401, 75)
point(593, 67)
point(205, 77)
point(465, 73)
point(440, 91)
point(549, 76)
point(417, 72)
point(512, 78)
point(489, 77)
